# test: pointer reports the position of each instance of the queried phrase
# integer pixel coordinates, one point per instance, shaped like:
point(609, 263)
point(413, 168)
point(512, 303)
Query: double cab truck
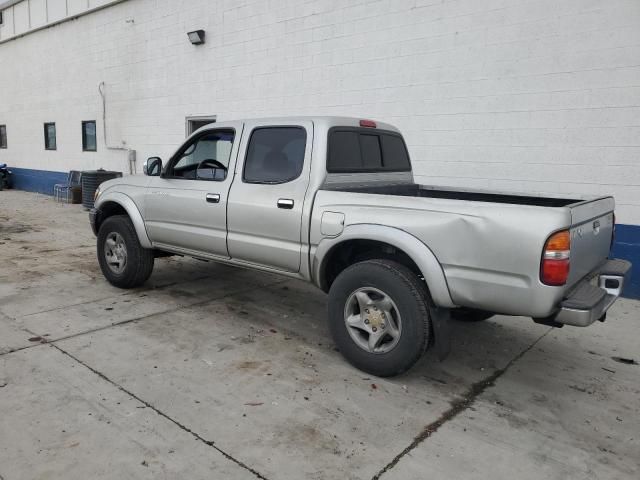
point(333, 201)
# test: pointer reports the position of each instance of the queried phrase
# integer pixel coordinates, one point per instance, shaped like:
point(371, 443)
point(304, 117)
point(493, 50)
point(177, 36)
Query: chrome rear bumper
point(589, 302)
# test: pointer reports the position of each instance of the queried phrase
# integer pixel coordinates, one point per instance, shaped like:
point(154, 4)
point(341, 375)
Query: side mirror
point(152, 166)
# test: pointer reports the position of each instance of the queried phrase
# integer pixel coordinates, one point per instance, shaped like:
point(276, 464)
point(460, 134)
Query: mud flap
point(441, 321)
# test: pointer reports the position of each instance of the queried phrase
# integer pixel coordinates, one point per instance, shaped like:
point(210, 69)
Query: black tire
point(471, 315)
point(410, 296)
point(139, 260)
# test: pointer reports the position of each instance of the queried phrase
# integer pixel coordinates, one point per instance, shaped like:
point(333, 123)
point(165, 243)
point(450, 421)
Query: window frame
point(268, 127)
point(3, 146)
point(178, 155)
point(367, 131)
point(84, 136)
point(46, 136)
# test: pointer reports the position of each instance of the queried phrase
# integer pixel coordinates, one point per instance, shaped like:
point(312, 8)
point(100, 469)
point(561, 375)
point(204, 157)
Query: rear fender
point(422, 256)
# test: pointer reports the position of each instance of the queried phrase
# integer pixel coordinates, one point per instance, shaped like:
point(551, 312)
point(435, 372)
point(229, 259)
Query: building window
point(3, 136)
point(50, 136)
point(89, 136)
point(194, 123)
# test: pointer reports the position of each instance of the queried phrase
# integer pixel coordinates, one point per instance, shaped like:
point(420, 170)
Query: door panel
point(265, 219)
point(185, 211)
point(179, 215)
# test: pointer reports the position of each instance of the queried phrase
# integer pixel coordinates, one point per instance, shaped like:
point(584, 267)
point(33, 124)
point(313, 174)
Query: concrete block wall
point(526, 95)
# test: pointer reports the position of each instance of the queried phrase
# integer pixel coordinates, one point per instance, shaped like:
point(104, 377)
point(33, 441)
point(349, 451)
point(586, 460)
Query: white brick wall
point(533, 95)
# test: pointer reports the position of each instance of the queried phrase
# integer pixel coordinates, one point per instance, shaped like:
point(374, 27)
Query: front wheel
point(378, 317)
point(123, 261)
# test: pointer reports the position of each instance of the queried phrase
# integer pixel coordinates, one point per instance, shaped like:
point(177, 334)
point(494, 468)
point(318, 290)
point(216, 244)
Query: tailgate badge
point(596, 227)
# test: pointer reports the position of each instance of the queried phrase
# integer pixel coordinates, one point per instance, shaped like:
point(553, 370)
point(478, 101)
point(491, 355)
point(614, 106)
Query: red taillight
point(554, 268)
point(368, 123)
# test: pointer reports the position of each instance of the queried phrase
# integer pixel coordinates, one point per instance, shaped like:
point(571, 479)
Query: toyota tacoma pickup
point(333, 201)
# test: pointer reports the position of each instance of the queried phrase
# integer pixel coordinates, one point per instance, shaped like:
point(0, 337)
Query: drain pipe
point(131, 154)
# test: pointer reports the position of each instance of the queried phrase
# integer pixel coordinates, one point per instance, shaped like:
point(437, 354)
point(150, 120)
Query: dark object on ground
point(5, 177)
point(626, 361)
point(470, 315)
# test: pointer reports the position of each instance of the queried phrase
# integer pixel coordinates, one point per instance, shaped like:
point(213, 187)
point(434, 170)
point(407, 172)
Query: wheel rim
point(372, 320)
point(115, 252)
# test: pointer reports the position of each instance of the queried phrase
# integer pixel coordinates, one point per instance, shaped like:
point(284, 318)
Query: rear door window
point(275, 155)
point(353, 150)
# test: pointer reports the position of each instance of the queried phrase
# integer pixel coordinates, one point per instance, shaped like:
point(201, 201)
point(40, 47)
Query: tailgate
point(591, 231)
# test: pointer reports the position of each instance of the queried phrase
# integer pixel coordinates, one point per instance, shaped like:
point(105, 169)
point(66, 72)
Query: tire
point(471, 315)
point(138, 261)
point(409, 297)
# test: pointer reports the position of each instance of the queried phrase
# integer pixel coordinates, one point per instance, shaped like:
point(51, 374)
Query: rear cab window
point(361, 150)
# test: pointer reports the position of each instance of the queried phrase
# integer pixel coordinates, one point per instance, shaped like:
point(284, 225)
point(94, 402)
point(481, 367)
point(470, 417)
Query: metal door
point(187, 208)
point(267, 195)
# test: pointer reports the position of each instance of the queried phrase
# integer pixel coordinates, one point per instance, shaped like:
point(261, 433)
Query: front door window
point(205, 158)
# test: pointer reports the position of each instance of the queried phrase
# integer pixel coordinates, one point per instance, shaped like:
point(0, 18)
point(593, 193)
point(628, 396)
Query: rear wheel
point(123, 261)
point(378, 316)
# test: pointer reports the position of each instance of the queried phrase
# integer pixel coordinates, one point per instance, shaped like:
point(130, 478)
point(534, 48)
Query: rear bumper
point(589, 301)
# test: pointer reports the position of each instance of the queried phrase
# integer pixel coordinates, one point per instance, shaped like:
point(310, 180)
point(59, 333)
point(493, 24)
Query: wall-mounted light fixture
point(196, 37)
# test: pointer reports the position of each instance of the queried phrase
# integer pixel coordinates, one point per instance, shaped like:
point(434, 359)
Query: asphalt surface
point(214, 372)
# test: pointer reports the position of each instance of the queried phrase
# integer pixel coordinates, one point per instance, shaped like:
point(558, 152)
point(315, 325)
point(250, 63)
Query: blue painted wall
point(41, 181)
point(626, 246)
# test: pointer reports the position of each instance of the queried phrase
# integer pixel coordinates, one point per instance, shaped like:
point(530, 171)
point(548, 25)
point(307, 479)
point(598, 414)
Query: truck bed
point(415, 190)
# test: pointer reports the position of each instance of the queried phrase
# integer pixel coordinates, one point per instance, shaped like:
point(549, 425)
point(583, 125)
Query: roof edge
point(8, 3)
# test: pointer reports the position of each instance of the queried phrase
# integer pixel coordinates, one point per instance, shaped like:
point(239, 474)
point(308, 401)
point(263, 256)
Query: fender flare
point(132, 210)
point(420, 253)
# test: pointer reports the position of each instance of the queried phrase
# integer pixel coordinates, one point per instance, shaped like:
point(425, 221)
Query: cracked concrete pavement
point(210, 371)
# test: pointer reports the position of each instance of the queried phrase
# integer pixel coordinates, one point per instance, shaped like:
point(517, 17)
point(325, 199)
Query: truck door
point(267, 196)
point(186, 207)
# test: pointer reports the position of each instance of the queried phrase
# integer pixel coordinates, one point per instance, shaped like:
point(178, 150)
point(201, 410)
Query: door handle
point(213, 197)
point(285, 203)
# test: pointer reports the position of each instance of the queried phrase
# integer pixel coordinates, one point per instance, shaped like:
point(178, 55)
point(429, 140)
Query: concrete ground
point(214, 372)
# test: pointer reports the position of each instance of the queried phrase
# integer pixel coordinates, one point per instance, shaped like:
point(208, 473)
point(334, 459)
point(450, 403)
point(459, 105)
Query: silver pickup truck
point(333, 201)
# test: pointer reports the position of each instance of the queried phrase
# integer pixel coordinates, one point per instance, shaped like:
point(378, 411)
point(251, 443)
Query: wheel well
point(352, 251)
point(109, 209)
